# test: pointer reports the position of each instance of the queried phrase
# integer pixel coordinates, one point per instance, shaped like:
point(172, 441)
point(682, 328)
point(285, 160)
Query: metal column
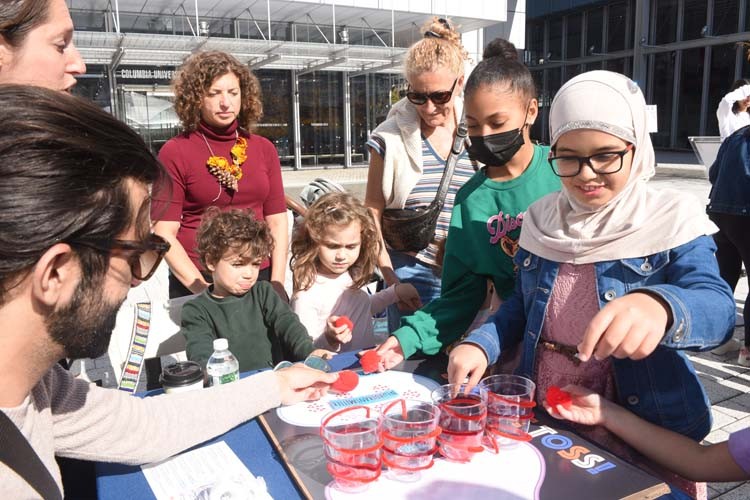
point(347, 121)
point(296, 122)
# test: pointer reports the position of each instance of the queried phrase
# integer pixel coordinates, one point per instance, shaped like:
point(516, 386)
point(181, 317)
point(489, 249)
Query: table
point(254, 448)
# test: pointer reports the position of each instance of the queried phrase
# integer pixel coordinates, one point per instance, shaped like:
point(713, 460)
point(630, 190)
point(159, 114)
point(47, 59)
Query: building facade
point(329, 69)
point(685, 54)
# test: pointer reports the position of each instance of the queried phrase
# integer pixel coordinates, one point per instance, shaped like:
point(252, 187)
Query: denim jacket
point(730, 176)
point(663, 388)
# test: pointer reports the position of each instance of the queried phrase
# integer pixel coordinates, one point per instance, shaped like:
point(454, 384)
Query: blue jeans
point(425, 278)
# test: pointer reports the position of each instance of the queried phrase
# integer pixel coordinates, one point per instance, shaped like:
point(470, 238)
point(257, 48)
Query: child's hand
point(408, 297)
point(390, 353)
point(466, 360)
point(629, 327)
point(323, 353)
point(586, 407)
point(300, 383)
point(337, 334)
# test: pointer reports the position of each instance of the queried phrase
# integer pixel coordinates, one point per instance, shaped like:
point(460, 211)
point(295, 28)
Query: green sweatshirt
point(482, 239)
point(261, 329)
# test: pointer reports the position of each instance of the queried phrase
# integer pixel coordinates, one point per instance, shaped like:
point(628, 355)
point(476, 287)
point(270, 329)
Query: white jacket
point(729, 121)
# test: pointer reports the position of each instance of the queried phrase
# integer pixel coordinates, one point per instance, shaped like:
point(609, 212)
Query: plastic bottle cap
point(221, 344)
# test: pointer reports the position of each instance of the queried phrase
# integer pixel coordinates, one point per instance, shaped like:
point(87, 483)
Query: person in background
point(333, 257)
point(409, 151)
point(729, 208)
point(217, 161)
point(259, 326)
point(725, 461)
point(733, 112)
point(501, 106)
point(36, 45)
point(615, 279)
point(74, 237)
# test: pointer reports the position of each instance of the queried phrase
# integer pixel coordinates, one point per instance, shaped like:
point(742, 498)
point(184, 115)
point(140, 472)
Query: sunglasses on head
point(439, 97)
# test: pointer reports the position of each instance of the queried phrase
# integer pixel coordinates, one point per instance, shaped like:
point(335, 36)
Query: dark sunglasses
point(145, 256)
point(439, 97)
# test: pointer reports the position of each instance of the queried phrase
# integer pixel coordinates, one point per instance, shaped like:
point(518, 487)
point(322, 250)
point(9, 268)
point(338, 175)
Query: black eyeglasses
point(145, 255)
point(439, 97)
point(601, 163)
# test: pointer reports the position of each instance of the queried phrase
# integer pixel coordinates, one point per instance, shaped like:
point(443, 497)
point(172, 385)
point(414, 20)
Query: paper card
point(652, 118)
point(213, 471)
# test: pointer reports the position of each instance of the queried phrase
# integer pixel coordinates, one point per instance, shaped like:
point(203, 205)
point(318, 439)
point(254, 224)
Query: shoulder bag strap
point(450, 162)
point(19, 456)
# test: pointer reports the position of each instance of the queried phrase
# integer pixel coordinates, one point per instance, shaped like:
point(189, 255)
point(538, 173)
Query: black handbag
point(411, 230)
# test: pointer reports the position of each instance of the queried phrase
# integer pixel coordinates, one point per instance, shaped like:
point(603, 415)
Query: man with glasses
point(74, 237)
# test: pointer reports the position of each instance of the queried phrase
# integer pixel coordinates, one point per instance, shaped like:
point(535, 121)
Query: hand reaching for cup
point(300, 383)
point(466, 364)
point(629, 327)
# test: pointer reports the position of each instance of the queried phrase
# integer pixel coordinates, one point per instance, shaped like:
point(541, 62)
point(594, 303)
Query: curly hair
point(440, 48)
point(234, 229)
point(194, 78)
point(339, 210)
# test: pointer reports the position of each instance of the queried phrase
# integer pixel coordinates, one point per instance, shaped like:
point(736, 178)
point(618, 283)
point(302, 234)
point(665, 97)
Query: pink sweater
point(69, 417)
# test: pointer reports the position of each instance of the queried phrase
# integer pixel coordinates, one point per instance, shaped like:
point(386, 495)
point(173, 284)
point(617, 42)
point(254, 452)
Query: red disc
point(370, 361)
point(343, 320)
point(346, 382)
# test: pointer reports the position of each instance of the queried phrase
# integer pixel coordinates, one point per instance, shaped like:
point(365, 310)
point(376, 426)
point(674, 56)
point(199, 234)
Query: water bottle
point(222, 366)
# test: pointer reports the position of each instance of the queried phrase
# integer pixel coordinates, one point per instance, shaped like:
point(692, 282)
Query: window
point(665, 30)
point(662, 83)
point(554, 47)
point(574, 36)
point(535, 37)
point(726, 17)
point(691, 83)
point(619, 65)
point(617, 27)
point(276, 123)
point(322, 117)
point(694, 19)
point(594, 30)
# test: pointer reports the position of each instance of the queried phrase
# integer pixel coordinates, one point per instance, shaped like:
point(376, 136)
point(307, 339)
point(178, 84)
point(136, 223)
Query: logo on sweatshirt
point(499, 226)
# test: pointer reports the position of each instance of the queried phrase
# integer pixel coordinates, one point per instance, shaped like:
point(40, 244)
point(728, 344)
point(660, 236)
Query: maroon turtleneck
point(193, 188)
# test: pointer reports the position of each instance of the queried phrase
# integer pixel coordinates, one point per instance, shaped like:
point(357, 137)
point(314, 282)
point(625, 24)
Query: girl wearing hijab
point(615, 279)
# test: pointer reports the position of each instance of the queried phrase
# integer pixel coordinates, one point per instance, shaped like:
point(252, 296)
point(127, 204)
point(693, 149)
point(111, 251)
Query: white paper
point(213, 471)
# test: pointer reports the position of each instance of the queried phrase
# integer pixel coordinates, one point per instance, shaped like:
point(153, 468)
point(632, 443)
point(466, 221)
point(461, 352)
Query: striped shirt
point(425, 191)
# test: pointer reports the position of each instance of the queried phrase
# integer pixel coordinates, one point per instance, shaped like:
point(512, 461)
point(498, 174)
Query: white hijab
point(638, 221)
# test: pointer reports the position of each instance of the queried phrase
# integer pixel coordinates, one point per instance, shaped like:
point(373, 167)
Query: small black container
point(182, 376)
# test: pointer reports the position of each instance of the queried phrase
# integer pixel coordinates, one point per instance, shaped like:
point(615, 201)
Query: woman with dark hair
point(488, 213)
point(409, 152)
point(217, 161)
point(733, 112)
point(36, 44)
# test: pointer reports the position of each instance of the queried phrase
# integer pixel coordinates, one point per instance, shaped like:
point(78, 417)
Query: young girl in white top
point(733, 112)
point(334, 253)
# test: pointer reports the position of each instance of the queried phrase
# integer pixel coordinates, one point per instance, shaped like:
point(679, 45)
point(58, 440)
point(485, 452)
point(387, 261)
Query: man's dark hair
point(63, 168)
point(18, 17)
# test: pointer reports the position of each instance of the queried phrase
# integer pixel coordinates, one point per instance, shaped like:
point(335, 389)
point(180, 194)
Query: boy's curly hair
point(194, 78)
point(234, 229)
point(339, 210)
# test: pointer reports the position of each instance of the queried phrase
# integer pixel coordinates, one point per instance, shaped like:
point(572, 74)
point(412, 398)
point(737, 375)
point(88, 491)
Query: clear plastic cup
point(510, 408)
point(463, 414)
point(409, 429)
point(352, 445)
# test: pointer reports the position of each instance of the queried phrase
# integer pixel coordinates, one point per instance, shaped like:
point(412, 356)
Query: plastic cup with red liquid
point(463, 414)
point(510, 408)
point(409, 429)
point(352, 446)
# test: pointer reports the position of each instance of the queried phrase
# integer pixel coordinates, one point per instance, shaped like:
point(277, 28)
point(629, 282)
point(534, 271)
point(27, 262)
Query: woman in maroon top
point(216, 161)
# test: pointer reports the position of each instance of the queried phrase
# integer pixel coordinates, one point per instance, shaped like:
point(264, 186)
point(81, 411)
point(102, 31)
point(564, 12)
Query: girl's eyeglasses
point(438, 97)
point(600, 163)
point(145, 256)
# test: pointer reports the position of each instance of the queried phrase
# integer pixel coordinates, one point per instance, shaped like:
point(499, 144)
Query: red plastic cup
point(463, 415)
point(510, 408)
point(409, 429)
point(352, 445)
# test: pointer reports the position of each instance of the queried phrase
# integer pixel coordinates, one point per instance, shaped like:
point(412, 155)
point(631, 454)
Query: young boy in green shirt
point(260, 327)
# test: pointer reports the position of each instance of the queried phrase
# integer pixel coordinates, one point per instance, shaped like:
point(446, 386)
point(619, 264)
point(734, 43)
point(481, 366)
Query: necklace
point(228, 174)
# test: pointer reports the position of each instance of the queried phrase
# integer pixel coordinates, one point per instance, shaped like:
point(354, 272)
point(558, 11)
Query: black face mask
point(497, 149)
